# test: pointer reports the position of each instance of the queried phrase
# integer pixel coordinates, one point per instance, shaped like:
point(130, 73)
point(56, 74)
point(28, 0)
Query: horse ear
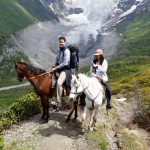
point(77, 76)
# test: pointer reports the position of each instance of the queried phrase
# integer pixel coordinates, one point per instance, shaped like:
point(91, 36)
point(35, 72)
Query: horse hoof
point(74, 120)
point(90, 129)
point(45, 121)
point(67, 120)
point(42, 118)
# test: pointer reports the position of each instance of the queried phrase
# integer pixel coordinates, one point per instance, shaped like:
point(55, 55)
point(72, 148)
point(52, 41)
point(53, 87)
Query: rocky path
point(59, 135)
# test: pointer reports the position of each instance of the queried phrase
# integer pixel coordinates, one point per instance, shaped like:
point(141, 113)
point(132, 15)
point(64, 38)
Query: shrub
point(26, 106)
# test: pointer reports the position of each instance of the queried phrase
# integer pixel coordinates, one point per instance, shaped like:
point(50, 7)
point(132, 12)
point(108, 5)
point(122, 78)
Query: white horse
point(94, 95)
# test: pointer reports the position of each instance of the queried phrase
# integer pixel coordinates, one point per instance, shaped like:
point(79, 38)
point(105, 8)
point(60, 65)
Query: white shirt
point(101, 71)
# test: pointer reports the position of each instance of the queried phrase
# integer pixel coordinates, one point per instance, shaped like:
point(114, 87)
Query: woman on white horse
point(99, 70)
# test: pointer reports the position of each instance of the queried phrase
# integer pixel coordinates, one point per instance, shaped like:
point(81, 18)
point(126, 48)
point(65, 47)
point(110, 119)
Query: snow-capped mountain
point(88, 24)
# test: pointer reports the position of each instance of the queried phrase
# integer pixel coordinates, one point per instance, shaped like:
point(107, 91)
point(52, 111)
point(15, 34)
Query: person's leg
point(108, 94)
point(53, 81)
point(60, 82)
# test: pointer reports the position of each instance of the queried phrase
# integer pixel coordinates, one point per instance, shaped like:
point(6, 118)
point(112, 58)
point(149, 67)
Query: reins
point(37, 75)
point(40, 75)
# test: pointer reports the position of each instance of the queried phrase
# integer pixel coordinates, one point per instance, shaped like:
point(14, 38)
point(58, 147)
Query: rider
point(61, 67)
point(99, 70)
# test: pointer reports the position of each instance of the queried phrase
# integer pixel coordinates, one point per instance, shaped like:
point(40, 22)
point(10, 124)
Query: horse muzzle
point(72, 97)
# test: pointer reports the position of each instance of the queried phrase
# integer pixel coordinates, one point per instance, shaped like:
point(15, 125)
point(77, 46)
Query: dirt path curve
point(55, 135)
point(59, 135)
point(14, 86)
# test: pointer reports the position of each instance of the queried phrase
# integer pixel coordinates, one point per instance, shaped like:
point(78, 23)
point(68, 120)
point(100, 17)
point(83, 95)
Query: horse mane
point(32, 68)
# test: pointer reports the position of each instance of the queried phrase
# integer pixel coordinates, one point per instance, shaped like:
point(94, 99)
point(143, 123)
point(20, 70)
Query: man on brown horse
point(61, 69)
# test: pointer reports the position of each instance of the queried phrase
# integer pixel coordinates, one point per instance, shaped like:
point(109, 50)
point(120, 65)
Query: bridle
point(86, 88)
point(18, 69)
point(77, 89)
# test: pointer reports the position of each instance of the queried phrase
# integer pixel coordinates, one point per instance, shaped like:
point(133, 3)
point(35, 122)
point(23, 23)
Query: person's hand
point(53, 66)
point(94, 65)
point(98, 78)
point(53, 69)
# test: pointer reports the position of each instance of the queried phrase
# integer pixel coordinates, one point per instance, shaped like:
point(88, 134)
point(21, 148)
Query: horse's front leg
point(92, 113)
point(43, 106)
point(70, 114)
point(46, 109)
point(83, 118)
point(95, 116)
point(76, 110)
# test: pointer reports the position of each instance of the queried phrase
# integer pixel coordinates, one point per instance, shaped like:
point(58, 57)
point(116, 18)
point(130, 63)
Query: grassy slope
point(17, 14)
point(137, 34)
point(8, 98)
point(131, 71)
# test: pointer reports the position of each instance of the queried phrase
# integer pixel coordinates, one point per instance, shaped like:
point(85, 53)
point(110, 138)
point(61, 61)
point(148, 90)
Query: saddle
point(67, 83)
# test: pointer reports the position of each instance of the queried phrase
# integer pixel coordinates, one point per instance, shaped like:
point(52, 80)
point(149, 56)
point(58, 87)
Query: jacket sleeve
point(103, 68)
point(92, 70)
point(66, 59)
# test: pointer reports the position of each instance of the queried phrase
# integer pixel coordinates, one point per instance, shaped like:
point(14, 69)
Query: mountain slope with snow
point(90, 25)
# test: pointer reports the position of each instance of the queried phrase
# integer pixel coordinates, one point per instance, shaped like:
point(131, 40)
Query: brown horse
point(41, 81)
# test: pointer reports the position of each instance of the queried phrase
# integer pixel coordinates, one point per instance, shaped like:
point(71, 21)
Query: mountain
point(18, 14)
point(91, 25)
point(14, 16)
point(135, 30)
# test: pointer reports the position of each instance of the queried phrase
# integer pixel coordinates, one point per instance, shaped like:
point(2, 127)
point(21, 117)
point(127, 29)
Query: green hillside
point(129, 72)
point(17, 14)
point(136, 34)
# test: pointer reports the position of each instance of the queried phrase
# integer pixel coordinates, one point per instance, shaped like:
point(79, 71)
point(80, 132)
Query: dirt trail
point(14, 86)
point(59, 135)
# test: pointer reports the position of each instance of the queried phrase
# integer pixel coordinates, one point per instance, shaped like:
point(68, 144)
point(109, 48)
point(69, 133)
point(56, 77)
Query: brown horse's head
point(19, 69)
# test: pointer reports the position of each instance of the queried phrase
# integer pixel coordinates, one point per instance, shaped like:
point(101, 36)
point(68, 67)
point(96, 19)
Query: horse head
point(76, 87)
point(19, 69)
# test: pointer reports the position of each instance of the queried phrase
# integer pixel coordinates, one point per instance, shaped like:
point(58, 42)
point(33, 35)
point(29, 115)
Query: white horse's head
point(76, 87)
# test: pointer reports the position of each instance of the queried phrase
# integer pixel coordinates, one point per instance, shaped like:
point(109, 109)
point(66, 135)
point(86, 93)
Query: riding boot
point(108, 106)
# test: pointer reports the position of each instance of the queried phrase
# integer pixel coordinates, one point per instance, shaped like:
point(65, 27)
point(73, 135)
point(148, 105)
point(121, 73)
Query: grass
point(8, 97)
point(129, 140)
point(99, 137)
point(136, 34)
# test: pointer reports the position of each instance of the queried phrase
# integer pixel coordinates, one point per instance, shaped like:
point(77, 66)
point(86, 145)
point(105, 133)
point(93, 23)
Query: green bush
point(25, 107)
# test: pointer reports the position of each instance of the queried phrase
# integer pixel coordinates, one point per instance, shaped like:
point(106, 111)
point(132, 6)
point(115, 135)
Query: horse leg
point(76, 110)
point(92, 112)
point(43, 106)
point(46, 109)
point(95, 116)
point(83, 118)
point(70, 114)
